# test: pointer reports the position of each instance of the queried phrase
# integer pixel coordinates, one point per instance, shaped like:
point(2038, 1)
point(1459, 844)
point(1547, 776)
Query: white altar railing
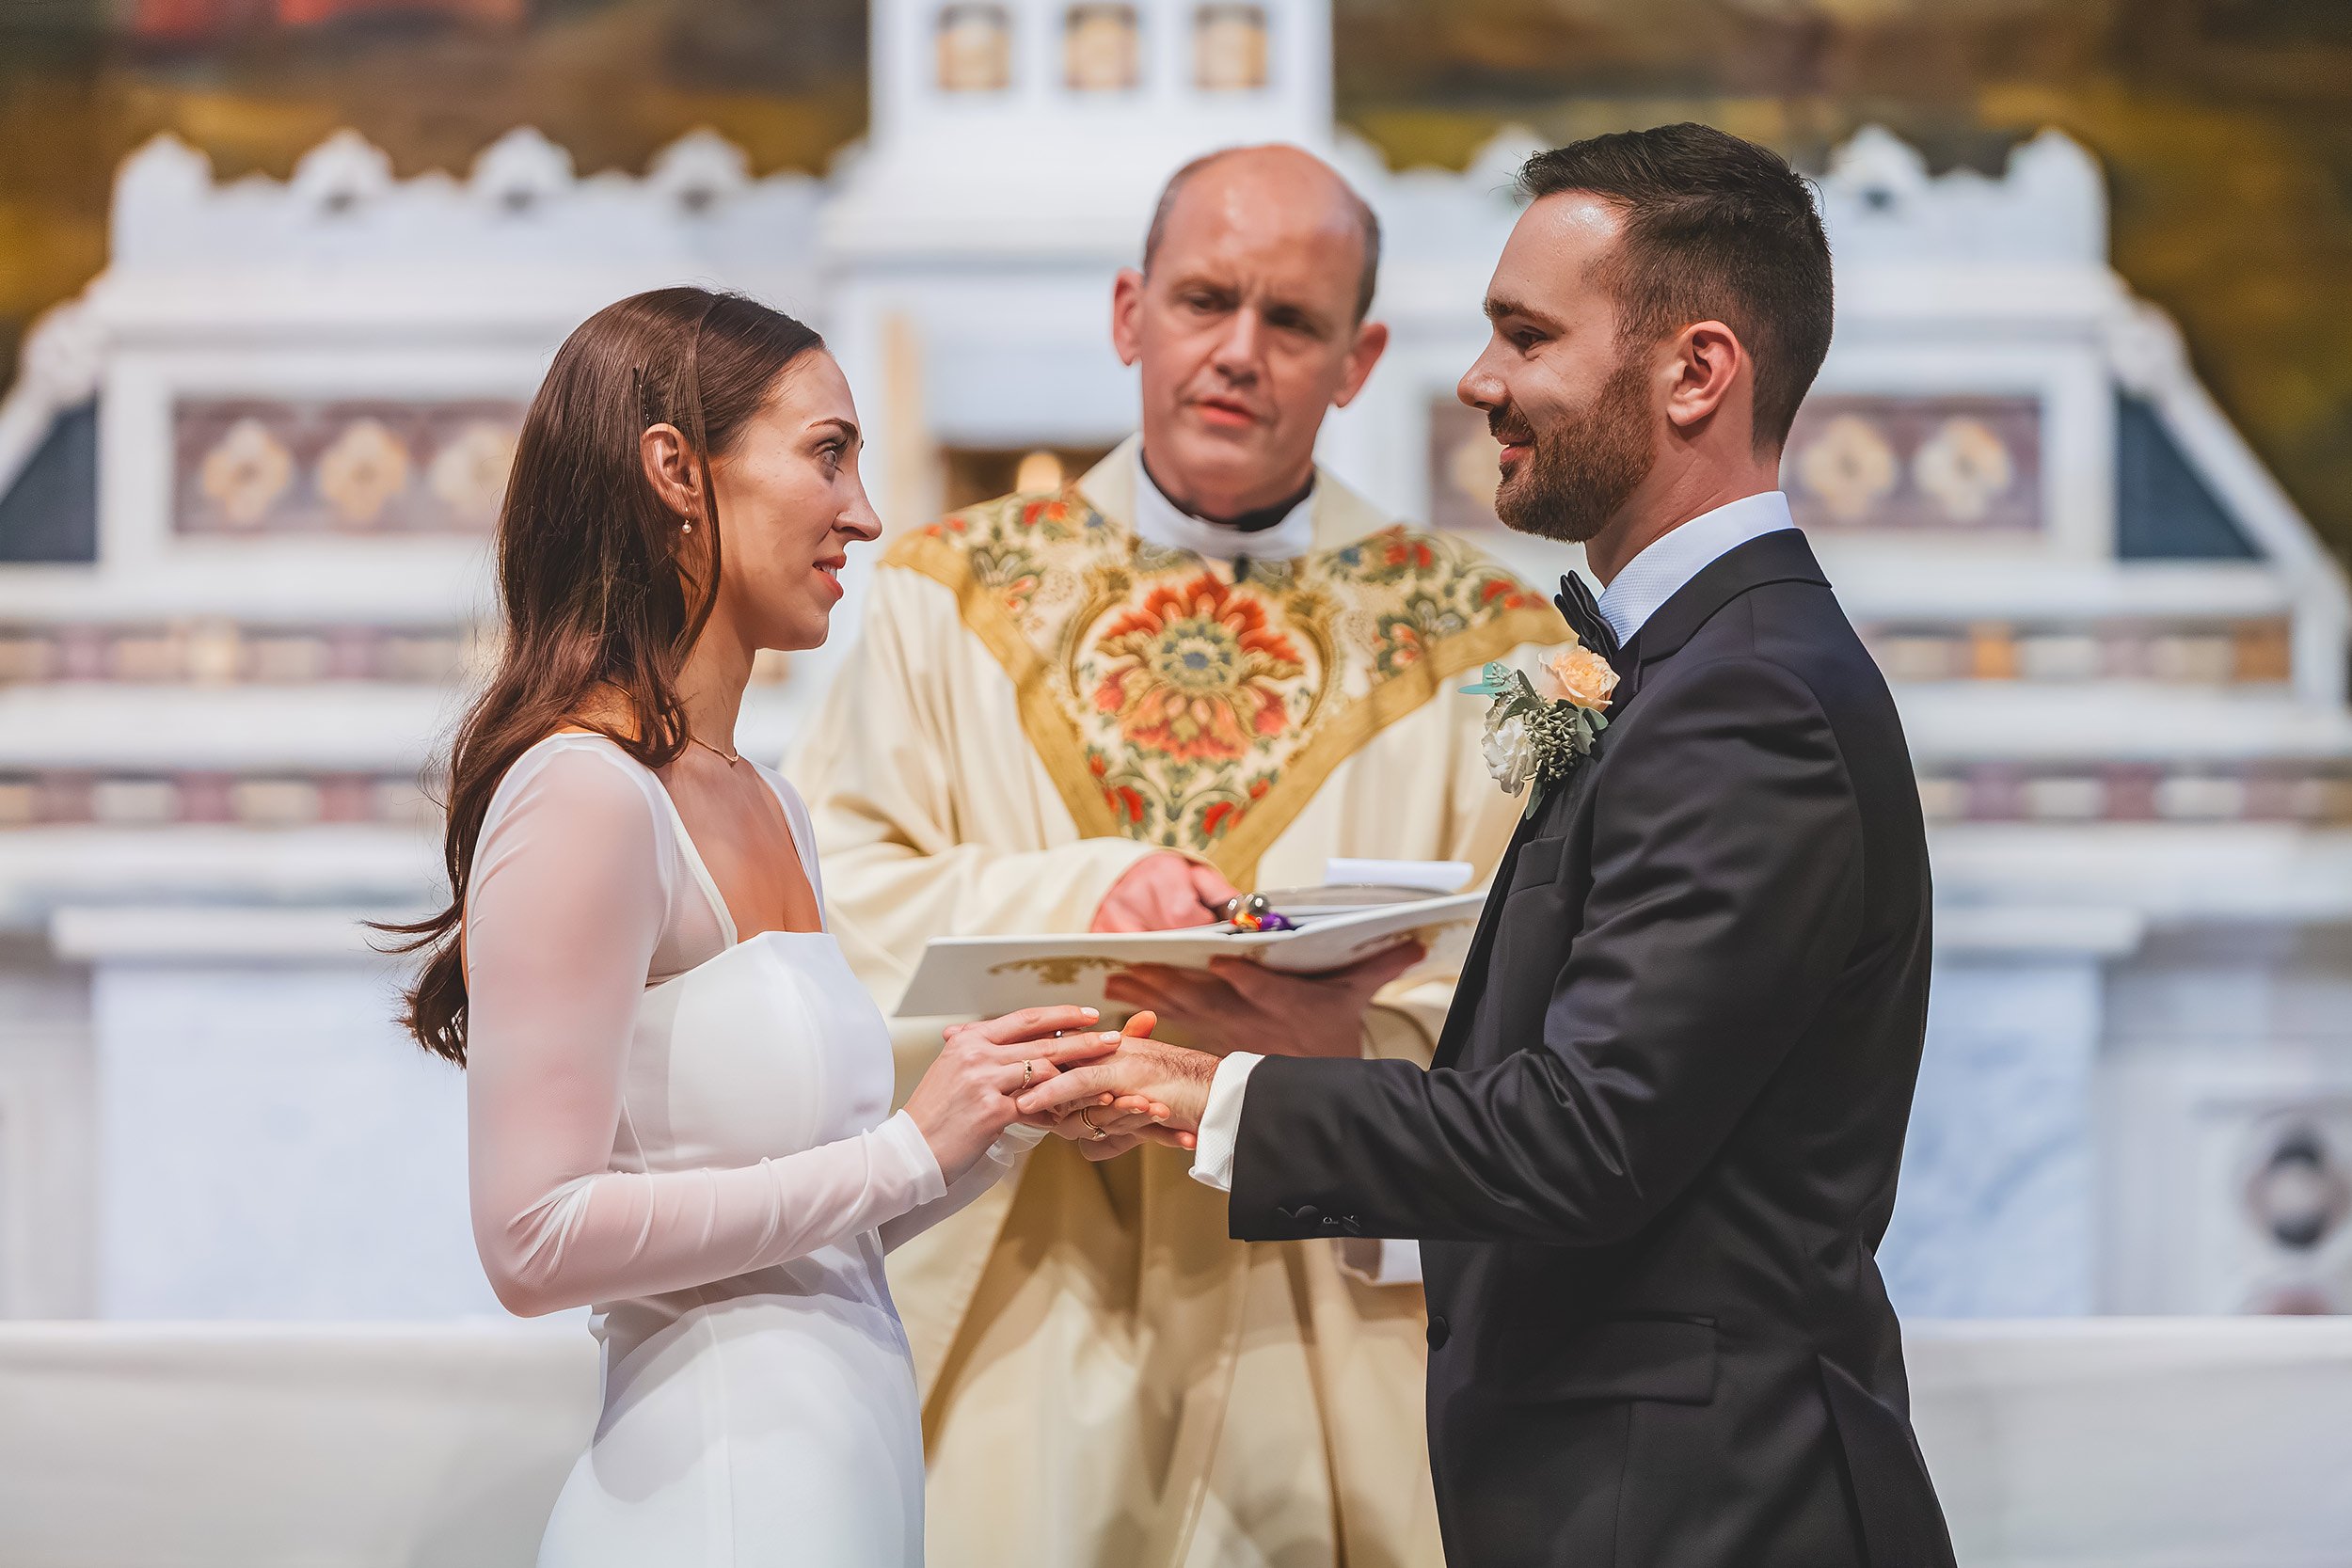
point(2175, 1443)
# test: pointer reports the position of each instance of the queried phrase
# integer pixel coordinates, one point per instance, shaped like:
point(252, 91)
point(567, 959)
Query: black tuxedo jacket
point(1659, 1145)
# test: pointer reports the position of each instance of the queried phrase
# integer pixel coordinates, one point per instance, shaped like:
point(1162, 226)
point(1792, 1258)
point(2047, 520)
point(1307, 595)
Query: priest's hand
point(1164, 892)
point(1240, 1005)
point(1168, 1077)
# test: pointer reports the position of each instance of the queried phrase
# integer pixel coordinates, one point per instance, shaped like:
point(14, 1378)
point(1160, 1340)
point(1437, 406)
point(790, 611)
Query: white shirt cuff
point(1220, 1122)
point(1381, 1260)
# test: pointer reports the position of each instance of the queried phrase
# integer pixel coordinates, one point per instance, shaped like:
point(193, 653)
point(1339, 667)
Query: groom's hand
point(1240, 1005)
point(1167, 1076)
point(1113, 1124)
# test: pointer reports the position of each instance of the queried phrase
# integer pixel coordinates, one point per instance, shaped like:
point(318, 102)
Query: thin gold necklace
point(731, 758)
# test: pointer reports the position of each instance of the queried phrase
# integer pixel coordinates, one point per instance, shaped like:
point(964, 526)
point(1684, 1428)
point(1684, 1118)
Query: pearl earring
point(686, 527)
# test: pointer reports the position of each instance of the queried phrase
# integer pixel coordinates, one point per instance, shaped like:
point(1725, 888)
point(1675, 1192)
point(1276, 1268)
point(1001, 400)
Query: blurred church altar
point(248, 477)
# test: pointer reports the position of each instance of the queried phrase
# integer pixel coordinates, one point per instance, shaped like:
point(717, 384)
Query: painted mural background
point(2225, 125)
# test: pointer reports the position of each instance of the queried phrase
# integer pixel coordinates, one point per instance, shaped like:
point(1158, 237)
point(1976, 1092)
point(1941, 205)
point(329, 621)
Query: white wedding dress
point(695, 1134)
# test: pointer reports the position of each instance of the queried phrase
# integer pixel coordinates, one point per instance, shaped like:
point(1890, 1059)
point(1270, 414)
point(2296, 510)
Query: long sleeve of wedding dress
point(571, 897)
point(993, 1165)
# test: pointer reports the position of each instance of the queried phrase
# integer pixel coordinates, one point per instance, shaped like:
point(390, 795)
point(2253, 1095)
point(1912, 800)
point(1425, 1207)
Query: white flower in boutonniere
point(1534, 739)
point(1510, 749)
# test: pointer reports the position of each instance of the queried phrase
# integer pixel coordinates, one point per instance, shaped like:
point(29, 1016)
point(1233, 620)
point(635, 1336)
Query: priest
point(1206, 665)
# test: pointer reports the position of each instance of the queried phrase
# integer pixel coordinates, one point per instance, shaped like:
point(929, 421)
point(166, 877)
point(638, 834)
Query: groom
point(1659, 1143)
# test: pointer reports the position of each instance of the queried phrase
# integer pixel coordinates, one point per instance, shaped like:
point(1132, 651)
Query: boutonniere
point(1534, 739)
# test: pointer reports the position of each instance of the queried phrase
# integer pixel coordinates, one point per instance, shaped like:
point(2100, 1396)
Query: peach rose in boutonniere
point(1585, 677)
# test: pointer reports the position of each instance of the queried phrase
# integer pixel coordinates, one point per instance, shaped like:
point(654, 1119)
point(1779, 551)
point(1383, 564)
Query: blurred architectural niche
point(247, 480)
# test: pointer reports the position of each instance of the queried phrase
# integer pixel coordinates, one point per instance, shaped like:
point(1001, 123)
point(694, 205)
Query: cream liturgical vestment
point(1041, 697)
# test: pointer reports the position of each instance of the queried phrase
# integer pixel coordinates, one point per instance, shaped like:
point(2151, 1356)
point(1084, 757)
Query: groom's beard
point(1577, 474)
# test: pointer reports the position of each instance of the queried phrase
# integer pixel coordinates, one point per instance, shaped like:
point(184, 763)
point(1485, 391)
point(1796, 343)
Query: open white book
point(995, 975)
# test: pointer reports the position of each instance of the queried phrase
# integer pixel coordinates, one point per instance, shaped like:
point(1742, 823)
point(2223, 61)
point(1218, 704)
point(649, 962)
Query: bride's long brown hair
point(603, 589)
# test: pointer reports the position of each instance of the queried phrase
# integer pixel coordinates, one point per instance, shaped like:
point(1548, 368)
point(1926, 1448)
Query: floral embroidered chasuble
point(1176, 703)
point(1231, 1403)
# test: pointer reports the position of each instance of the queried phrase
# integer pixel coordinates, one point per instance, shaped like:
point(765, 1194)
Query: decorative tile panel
point(975, 48)
point(2061, 656)
point(2312, 794)
point(1229, 48)
point(2063, 798)
point(133, 800)
point(266, 466)
point(1102, 48)
point(261, 801)
point(222, 653)
point(1950, 463)
point(2213, 653)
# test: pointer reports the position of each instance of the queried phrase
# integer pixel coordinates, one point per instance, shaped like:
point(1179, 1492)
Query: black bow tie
point(1585, 618)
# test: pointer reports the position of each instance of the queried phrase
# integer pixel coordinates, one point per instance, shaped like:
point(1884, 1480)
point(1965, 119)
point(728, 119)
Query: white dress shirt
point(1657, 574)
point(1171, 527)
point(1632, 596)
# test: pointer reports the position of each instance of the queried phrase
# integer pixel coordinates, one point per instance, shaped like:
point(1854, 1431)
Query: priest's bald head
point(1247, 321)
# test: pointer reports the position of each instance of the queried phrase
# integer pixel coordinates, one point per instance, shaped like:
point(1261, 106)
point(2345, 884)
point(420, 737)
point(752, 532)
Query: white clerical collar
point(1171, 527)
point(1656, 574)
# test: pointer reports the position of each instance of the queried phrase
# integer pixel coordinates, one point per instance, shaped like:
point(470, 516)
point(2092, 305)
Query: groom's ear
point(1710, 373)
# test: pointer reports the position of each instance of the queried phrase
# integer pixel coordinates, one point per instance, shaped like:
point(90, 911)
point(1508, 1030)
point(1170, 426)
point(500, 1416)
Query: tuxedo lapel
point(1782, 556)
point(1628, 678)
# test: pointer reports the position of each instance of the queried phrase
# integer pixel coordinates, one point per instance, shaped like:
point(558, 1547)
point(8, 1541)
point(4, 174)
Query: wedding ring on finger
point(1088, 1122)
point(1028, 1075)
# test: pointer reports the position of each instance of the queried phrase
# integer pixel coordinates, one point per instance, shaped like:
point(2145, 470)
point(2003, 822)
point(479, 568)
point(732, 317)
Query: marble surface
point(273, 1148)
point(1996, 1212)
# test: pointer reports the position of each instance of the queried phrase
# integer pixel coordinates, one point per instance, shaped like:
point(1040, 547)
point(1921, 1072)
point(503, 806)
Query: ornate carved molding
point(697, 205)
point(1881, 205)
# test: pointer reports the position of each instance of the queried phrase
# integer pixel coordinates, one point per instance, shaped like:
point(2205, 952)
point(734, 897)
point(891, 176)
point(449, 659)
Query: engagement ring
point(1089, 1121)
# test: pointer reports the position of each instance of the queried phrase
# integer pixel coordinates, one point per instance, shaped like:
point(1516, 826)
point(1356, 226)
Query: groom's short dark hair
point(1716, 229)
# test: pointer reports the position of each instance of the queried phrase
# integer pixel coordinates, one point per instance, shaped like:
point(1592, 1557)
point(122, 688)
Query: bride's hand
point(965, 1098)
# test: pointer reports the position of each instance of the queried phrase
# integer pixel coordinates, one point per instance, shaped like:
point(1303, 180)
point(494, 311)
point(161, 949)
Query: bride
point(678, 1096)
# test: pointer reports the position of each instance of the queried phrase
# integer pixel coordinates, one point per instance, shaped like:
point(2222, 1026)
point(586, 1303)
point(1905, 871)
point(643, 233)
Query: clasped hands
point(1141, 1090)
point(971, 1092)
point(1109, 1091)
point(1147, 1090)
